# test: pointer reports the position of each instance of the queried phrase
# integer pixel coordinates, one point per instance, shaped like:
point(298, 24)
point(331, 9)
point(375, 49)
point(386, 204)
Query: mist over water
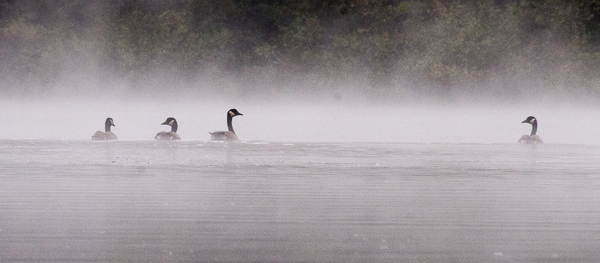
point(382, 131)
point(299, 122)
point(386, 72)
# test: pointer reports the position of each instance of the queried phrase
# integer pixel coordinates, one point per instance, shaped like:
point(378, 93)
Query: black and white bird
point(171, 135)
point(107, 134)
point(228, 135)
point(533, 138)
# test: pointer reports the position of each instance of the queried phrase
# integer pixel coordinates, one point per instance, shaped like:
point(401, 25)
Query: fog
point(350, 74)
point(300, 122)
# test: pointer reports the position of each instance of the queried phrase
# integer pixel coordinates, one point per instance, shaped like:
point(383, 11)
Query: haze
point(302, 122)
point(423, 72)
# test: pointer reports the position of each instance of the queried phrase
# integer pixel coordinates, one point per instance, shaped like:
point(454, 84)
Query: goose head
point(170, 121)
point(234, 112)
point(109, 122)
point(530, 120)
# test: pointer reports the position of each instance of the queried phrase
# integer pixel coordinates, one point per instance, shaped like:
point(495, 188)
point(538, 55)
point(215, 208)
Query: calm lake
point(197, 201)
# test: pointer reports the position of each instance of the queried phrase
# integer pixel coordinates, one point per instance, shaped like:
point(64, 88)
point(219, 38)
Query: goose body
point(107, 134)
point(223, 136)
point(228, 135)
point(170, 135)
point(532, 138)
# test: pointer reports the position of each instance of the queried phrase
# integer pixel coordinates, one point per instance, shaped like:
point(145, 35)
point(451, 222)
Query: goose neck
point(533, 128)
point(174, 126)
point(229, 125)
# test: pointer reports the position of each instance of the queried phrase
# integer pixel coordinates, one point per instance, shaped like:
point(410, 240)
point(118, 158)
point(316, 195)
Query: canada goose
point(172, 135)
point(107, 134)
point(226, 135)
point(533, 138)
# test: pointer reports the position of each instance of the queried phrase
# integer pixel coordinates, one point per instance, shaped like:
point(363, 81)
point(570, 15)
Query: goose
point(533, 138)
point(226, 135)
point(172, 135)
point(107, 134)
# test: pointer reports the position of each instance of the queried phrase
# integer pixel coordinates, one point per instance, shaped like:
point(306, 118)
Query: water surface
point(196, 201)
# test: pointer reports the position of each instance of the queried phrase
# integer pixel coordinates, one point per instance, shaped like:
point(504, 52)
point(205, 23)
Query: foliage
point(440, 44)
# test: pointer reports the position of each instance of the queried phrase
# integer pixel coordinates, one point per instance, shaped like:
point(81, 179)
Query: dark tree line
point(387, 46)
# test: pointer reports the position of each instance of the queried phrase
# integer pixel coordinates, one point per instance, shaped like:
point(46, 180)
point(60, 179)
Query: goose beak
point(164, 123)
point(525, 121)
point(241, 114)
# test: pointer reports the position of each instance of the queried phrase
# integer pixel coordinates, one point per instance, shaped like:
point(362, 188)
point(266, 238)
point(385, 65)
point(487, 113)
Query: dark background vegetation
point(386, 49)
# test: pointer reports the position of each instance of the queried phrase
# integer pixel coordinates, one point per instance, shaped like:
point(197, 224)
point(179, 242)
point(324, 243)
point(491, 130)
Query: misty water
point(256, 201)
point(372, 131)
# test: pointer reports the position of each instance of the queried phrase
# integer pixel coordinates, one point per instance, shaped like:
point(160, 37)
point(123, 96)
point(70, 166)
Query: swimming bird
point(107, 134)
point(533, 138)
point(172, 135)
point(226, 135)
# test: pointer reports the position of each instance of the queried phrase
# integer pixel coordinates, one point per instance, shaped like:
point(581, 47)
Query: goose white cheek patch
point(171, 123)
